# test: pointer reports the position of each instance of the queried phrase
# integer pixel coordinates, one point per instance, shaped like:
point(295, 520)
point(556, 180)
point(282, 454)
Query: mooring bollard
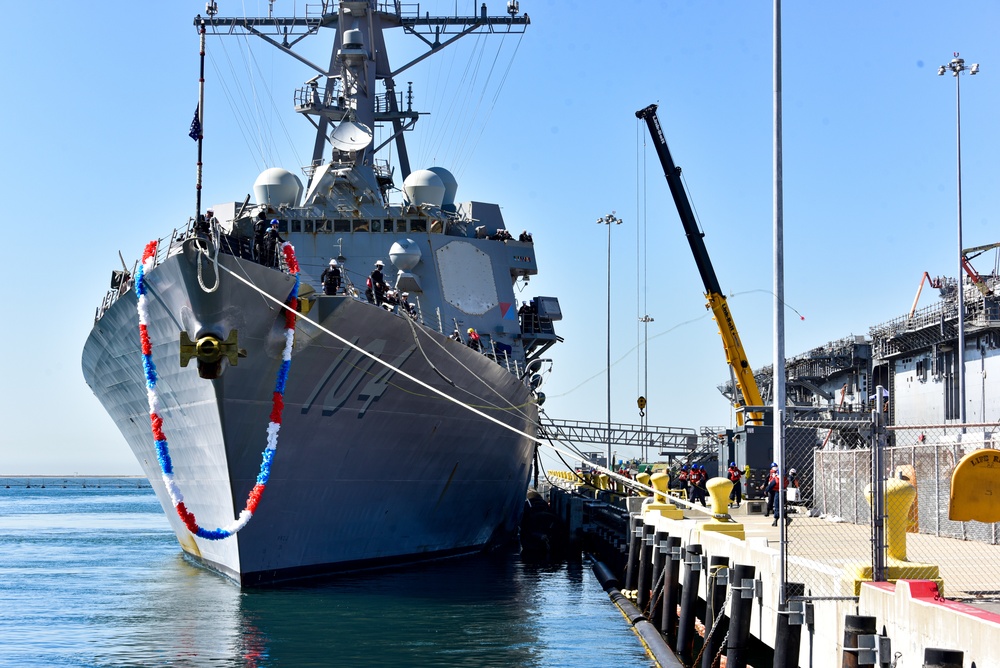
point(943, 658)
point(634, 546)
point(788, 635)
point(715, 594)
point(656, 593)
point(855, 626)
point(645, 567)
point(689, 599)
point(671, 589)
point(741, 606)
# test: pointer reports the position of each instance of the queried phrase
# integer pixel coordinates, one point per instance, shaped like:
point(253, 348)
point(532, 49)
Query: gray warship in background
point(372, 468)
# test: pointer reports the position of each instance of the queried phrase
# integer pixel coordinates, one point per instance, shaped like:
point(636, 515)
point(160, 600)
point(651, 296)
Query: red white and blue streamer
point(277, 402)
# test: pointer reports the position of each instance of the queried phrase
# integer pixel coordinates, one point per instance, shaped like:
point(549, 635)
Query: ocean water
point(91, 575)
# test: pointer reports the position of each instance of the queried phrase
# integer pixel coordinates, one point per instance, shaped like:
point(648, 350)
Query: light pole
point(610, 220)
point(957, 68)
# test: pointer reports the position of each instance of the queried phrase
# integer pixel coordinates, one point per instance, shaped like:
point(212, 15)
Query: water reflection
point(94, 581)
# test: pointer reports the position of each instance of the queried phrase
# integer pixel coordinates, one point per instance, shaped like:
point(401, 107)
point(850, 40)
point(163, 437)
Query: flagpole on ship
point(199, 117)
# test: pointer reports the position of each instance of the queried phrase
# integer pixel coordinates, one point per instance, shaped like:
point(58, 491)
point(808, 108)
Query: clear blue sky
point(97, 159)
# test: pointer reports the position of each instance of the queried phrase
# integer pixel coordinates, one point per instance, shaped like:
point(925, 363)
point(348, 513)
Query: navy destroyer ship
point(396, 421)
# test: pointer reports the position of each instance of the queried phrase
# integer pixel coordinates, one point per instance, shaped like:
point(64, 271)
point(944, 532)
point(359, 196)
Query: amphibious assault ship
point(295, 432)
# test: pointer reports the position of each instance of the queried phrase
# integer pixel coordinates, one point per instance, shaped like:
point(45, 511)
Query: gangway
point(667, 441)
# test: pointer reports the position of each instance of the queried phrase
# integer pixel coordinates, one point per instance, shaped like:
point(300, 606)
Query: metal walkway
point(667, 441)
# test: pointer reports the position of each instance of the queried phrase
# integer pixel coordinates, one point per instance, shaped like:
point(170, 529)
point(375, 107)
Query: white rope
point(214, 258)
point(440, 393)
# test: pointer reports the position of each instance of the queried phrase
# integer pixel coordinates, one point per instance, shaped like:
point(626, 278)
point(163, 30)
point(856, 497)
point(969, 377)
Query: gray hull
point(371, 468)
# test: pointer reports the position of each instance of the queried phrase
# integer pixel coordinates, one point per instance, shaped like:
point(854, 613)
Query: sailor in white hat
point(331, 278)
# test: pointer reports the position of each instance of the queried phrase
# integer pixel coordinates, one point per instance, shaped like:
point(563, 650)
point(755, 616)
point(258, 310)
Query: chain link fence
point(841, 533)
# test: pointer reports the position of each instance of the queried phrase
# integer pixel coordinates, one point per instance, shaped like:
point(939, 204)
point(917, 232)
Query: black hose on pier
point(651, 638)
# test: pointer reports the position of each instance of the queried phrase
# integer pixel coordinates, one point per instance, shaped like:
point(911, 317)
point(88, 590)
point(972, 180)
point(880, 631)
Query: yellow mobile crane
point(735, 355)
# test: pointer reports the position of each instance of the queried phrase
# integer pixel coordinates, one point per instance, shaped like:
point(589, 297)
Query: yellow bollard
point(722, 522)
point(643, 479)
point(899, 496)
point(603, 481)
point(658, 481)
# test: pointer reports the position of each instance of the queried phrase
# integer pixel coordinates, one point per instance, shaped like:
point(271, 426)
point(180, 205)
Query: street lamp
point(610, 220)
point(957, 68)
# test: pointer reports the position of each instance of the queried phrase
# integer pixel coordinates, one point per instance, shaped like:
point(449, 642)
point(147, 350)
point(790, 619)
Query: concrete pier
point(914, 616)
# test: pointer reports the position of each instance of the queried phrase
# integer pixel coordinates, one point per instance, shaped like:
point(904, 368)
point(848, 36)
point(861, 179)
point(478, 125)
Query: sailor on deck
point(272, 242)
point(378, 282)
point(259, 231)
point(330, 278)
point(473, 341)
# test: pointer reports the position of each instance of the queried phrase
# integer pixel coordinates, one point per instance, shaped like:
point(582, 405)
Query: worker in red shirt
point(697, 477)
point(766, 487)
point(734, 475)
point(682, 478)
point(776, 490)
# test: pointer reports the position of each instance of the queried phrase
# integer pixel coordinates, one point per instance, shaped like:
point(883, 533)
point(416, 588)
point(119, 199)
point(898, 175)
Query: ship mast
point(197, 126)
point(345, 89)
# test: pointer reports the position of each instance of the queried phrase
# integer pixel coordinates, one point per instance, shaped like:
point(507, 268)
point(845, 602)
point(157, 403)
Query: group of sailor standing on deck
point(692, 480)
point(266, 241)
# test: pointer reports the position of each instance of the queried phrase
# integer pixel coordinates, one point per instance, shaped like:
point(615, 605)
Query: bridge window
point(341, 225)
point(296, 226)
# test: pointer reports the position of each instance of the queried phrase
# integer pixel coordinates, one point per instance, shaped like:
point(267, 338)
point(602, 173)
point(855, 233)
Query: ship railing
point(127, 282)
point(310, 97)
point(401, 9)
point(318, 11)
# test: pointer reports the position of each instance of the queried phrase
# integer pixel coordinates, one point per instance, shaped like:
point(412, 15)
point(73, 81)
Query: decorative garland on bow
point(277, 402)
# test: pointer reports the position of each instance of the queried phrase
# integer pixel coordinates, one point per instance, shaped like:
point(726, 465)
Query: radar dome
point(424, 187)
point(405, 254)
point(353, 39)
point(276, 187)
point(450, 185)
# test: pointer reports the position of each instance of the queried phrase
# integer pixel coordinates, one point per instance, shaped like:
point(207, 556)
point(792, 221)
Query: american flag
point(195, 132)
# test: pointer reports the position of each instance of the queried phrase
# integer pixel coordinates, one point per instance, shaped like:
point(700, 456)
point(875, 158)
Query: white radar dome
point(424, 187)
point(450, 184)
point(405, 254)
point(276, 187)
